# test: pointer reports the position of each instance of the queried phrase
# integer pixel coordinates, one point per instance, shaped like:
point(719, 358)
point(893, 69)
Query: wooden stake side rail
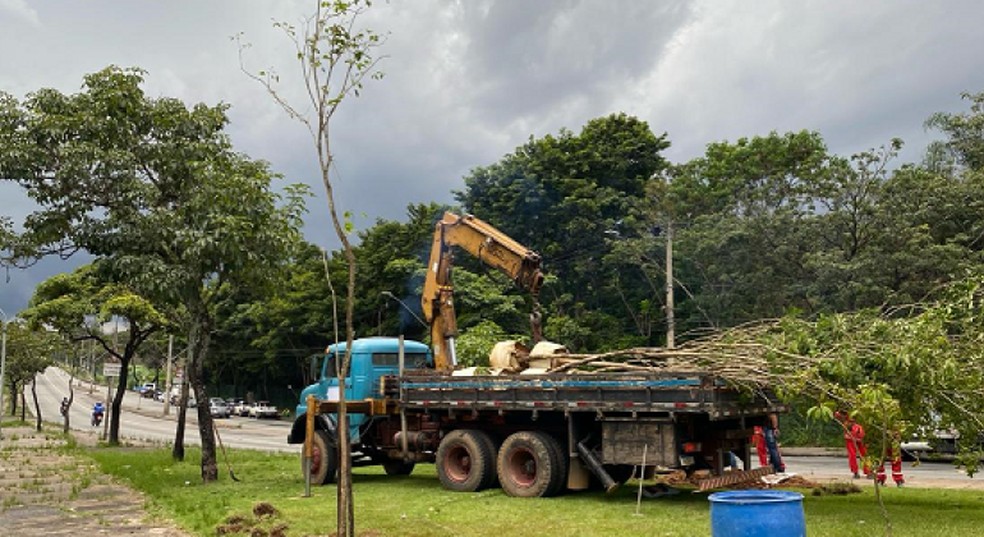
point(371, 407)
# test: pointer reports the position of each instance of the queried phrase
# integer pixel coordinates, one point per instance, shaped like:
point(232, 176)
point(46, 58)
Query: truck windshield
point(330, 365)
point(411, 360)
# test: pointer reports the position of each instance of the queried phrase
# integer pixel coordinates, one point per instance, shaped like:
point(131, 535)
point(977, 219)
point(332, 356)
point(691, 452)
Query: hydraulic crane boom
point(491, 247)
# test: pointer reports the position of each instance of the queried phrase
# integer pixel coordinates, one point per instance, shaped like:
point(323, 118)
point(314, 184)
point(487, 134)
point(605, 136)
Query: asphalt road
point(143, 419)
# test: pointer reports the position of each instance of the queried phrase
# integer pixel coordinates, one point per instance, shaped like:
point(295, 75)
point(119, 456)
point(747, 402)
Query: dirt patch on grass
point(45, 490)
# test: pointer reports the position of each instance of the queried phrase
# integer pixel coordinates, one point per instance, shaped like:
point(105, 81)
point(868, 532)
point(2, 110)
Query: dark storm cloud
point(530, 59)
point(858, 72)
point(468, 81)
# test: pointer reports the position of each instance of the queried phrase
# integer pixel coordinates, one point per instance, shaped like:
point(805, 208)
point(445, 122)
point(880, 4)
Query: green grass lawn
point(417, 505)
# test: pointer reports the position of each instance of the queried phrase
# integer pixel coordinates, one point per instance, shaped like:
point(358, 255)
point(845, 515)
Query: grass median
point(416, 505)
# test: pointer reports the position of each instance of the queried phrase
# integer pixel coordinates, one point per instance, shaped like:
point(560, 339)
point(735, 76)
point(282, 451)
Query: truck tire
point(531, 464)
point(324, 459)
point(564, 463)
point(466, 460)
point(398, 467)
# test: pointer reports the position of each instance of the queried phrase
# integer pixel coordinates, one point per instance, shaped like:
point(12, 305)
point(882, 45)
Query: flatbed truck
point(532, 435)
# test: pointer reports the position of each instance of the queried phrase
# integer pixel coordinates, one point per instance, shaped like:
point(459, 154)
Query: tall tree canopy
point(564, 196)
point(154, 188)
point(78, 305)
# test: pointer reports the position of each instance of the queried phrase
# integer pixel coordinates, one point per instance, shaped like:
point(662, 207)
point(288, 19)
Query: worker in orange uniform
point(893, 452)
point(854, 442)
point(758, 440)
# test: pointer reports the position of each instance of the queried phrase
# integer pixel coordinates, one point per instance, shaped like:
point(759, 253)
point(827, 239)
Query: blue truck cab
point(371, 359)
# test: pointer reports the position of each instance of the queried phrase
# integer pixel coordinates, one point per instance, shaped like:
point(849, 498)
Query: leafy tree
point(902, 369)
point(392, 257)
point(965, 134)
point(563, 196)
point(744, 218)
point(474, 345)
point(78, 306)
point(29, 352)
point(335, 59)
point(154, 188)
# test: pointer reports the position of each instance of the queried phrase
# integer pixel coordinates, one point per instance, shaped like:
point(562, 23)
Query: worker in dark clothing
point(771, 433)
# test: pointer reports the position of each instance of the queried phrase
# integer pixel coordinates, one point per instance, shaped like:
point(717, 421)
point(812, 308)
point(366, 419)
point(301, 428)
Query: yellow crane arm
point(488, 245)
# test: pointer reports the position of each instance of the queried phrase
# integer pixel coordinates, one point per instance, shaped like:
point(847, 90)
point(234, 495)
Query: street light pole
point(391, 295)
point(3, 366)
point(670, 322)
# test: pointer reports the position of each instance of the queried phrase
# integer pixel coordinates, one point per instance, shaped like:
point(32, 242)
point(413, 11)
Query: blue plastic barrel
point(757, 513)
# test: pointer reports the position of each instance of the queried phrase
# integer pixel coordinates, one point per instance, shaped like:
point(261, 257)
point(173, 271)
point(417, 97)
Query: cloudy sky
point(468, 81)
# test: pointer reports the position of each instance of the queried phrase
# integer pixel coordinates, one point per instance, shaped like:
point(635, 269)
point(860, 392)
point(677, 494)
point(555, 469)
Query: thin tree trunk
point(199, 341)
point(117, 404)
point(178, 451)
point(37, 407)
point(67, 415)
point(12, 390)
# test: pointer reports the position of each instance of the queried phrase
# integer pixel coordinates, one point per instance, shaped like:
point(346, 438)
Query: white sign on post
point(111, 369)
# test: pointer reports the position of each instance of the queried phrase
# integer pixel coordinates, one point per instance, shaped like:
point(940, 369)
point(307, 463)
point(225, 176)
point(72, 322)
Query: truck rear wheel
point(324, 459)
point(466, 460)
point(531, 464)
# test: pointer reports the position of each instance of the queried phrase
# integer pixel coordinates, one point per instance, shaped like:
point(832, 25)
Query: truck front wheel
point(466, 461)
point(324, 459)
point(531, 464)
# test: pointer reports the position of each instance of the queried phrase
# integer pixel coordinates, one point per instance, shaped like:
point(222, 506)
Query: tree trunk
point(198, 346)
point(210, 468)
point(23, 397)
point(37, 407)
point(67, 415)
point(178, 451)
point(12, 390)
point(117, 405)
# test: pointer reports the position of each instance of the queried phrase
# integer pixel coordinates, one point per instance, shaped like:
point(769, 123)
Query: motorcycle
point(97, 418)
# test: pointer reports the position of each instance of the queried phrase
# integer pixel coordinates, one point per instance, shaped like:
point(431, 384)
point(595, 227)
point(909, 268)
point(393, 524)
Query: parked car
point(242, 409)
point(175, 399)
point(940, 444)
point(263, 409)
point(147, 389)
point(217, 407)
point(233, 404)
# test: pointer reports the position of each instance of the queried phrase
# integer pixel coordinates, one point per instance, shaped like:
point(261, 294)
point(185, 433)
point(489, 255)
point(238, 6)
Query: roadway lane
point(143, 419)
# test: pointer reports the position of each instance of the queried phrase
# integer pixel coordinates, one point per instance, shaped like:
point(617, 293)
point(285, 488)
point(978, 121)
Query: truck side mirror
point(313, 367)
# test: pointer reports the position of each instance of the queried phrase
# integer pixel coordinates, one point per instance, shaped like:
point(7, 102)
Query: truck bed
point(615, 392)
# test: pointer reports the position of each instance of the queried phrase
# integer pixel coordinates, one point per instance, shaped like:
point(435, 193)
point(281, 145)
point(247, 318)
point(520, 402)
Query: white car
point(262, 409)
point(242, 408)
point(217, 407)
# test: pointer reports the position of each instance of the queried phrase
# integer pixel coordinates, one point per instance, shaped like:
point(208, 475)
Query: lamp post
point(3, 365)
point(391, 295)
point(670, 322)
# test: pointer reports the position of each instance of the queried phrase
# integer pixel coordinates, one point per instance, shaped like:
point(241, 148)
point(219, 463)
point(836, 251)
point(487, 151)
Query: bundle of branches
point(895, 369)
point(746, 356)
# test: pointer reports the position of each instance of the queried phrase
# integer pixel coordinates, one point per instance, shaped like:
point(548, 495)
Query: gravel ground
point(44, 491)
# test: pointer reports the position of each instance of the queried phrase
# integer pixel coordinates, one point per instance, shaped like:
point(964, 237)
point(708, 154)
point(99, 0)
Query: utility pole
point(3, 364)
point(167, 384)
point(670, 323)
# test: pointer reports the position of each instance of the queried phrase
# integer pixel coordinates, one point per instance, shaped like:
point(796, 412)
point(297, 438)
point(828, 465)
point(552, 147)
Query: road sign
point(111, 369)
